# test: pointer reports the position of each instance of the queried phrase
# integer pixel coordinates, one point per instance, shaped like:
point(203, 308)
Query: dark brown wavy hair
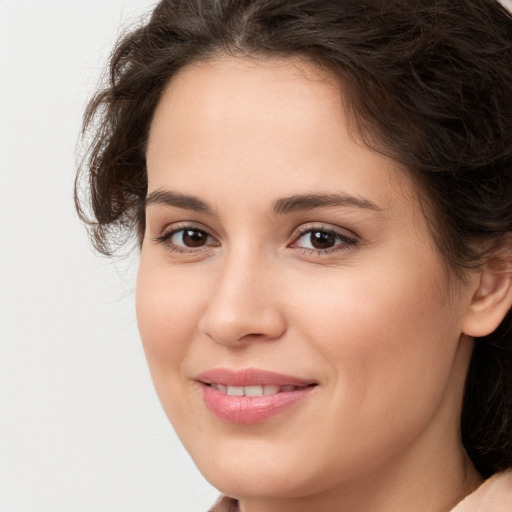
point(428, 82)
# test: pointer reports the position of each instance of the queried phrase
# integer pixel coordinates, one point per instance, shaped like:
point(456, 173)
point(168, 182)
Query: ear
point(492, 298)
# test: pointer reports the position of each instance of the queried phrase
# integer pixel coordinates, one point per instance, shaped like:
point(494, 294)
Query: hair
point(428, 82)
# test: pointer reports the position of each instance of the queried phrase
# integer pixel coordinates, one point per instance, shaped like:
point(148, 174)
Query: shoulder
point(494, 495)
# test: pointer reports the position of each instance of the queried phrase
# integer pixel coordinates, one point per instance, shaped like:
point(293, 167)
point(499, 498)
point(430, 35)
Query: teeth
point(236, 390)
point(253, 390)
point(269, 389)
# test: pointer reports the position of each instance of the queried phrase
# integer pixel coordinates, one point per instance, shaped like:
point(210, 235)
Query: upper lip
point(250, 377)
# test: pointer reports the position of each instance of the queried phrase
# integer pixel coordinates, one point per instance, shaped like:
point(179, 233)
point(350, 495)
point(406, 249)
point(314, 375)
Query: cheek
point(388, 334)
point(388, 346)
point(168, 306)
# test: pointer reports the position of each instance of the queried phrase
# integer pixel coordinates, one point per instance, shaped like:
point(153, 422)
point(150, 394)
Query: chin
point(260, 468)
point(261, 482)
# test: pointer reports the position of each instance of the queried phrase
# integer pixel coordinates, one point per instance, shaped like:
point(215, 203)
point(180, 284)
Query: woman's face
point(291, 263)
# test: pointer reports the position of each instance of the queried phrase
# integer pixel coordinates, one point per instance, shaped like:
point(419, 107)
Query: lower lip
point(248, 410)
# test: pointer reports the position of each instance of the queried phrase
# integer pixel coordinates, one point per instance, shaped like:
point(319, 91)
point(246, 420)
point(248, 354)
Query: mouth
point(251, 396)
point(267, 390)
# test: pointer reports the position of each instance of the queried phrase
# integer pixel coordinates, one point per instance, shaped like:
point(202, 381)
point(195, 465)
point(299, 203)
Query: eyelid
point(323, 226)
point(171, 229)
point(349, 238)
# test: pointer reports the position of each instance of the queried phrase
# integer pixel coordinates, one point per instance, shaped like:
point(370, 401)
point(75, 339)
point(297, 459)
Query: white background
point(80, 426)
point(81, 429)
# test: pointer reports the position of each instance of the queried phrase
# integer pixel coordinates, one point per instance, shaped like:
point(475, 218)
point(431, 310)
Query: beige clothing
point(494, 495)
point(225, 504)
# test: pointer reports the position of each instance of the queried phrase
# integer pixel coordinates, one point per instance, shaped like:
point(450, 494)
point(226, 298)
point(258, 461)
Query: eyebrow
point(312, 201)
point(167, 198)
point(282, 206)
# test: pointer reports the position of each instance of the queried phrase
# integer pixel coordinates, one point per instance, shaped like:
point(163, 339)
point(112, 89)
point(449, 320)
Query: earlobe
point(491, 300)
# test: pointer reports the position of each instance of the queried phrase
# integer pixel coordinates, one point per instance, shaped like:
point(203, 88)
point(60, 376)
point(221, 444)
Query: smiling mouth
point(251, 395)
point(266, 390)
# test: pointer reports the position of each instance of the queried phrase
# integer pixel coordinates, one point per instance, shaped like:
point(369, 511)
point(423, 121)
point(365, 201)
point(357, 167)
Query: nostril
point(242, 326)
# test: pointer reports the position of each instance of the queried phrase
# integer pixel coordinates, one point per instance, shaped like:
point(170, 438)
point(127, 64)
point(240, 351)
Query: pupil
point(193, 238)
point(322, 240)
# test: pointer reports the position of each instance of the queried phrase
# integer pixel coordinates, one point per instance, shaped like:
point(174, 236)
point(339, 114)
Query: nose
point(244, 305)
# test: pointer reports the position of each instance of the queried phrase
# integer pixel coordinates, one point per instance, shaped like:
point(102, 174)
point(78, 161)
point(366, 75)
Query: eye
point(322, 240)
point(187, 239)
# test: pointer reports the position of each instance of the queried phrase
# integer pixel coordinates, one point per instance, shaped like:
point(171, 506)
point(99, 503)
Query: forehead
point(243, 95)
point(254, 122)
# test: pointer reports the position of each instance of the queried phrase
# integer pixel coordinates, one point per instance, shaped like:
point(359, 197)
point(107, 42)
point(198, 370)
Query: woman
point(322, 195)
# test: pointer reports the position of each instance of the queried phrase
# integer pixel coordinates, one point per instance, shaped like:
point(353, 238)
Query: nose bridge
point(244, 304)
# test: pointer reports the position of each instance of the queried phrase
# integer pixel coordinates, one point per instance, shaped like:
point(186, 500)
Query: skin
point(373, 321)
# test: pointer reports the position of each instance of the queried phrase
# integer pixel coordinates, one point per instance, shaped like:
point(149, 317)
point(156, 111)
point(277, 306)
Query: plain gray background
point(81, 429)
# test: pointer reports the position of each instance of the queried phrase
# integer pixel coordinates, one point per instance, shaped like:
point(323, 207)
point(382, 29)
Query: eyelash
point(165, 238)
point(346, 242)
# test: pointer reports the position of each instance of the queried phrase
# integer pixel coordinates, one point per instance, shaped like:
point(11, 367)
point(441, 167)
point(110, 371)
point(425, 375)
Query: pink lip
point(250, 377)
point(250, 409)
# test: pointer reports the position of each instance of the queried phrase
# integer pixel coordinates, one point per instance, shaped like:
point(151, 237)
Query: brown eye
point(322, 239)
point(193, 237)
point(189, 238)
